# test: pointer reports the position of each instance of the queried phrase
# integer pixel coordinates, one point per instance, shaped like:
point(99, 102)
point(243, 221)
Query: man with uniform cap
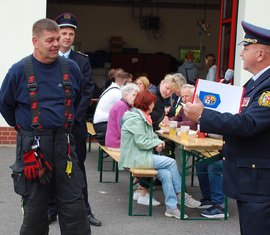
point(68, 26)
point(246, 163)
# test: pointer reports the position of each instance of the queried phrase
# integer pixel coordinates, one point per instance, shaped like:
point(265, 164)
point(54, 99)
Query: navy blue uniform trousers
point(67, 190)
point(254, 217)
point(80, 135)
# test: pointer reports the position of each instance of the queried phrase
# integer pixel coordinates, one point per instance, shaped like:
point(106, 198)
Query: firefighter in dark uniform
point(68, 25)
point(40, 96)
point(246, 165)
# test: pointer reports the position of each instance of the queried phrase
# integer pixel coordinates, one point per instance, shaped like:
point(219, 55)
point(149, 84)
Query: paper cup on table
point(172, 127)
point(184, 132)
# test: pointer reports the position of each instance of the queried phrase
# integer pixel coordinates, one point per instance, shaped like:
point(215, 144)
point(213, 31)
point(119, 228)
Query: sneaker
point(214, 212)
point(174, 213)
point(189, 201)
point(136, 195)
point(205, 204)
point(144, 200)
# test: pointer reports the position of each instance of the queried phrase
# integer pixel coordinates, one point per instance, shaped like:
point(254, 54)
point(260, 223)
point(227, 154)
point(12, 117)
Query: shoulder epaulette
point(82, 54)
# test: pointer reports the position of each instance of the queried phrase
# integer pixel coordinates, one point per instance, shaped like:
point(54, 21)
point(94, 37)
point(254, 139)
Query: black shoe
point(205, 204)
point(52, 218)
point(93, 221)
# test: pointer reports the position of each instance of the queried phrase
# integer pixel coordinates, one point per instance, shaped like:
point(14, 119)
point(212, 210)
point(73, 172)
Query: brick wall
point(7, 136)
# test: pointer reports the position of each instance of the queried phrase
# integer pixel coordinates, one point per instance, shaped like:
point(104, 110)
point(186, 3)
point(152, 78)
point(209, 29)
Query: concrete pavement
point(109, 202)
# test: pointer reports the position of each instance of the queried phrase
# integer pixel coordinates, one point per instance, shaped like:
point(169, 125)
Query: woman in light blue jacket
point(136, 151)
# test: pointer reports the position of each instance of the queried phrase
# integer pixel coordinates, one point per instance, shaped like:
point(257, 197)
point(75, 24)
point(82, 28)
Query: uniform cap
point(255, 34)
point(66, 20)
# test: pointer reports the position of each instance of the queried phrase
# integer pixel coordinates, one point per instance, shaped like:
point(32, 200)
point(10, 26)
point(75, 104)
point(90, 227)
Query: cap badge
point(249, 40)
point(67, 16)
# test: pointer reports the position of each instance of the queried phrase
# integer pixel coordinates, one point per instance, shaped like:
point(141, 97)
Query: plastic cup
point(184, 132)
point(172, 127)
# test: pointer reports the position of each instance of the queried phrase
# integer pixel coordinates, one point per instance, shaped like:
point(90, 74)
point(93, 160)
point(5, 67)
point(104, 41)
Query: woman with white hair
point(113, 132)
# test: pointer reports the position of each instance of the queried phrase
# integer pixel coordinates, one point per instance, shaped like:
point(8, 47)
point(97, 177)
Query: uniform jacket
point(14, 94)
point(246, 150)
point(137, 141)
point(87, 83)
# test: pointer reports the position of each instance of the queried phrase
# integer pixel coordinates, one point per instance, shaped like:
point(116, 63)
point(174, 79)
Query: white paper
point(219, 96)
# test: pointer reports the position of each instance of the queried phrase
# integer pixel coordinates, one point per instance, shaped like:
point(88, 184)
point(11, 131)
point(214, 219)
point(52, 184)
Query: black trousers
point(79, 132)
point(254, 218)
point(80, 136)
point(100, 129)
point(67, 190)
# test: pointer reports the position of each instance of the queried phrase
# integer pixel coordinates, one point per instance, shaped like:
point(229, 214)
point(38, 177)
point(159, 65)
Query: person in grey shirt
point(210, 61)
point(189, 69)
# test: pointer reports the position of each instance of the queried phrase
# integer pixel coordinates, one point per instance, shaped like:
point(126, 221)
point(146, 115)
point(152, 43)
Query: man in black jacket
point(68, 26)
point(246, 162)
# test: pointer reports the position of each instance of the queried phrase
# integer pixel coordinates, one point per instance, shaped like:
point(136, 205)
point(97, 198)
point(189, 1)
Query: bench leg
point(192, 171)
point(89, 142)
point(100, 163)
point(183, 186)
point(151, 183)
point(116, 172)
point(130, 200)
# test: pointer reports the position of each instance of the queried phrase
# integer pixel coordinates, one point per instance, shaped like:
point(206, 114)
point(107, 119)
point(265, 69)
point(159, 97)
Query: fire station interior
point(142, 36)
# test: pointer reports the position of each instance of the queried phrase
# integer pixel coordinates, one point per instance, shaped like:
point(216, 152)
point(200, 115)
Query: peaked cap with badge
point(255, 35)
point(66, 20)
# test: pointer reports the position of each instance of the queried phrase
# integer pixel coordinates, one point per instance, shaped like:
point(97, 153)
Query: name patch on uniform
point(264, 99)
point(245, 101)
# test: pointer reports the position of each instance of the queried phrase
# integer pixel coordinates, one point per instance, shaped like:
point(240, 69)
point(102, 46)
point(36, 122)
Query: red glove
point(45, 169)
point(30, 165)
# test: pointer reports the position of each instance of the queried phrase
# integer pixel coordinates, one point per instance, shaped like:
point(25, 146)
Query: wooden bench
point(133, 172)
point(91, 132)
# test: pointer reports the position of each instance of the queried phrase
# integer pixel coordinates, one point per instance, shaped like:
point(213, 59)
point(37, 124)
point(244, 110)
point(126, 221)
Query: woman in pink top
point(113, 133)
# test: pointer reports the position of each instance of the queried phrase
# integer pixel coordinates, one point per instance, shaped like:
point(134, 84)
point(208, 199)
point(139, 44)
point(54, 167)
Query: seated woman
point(142, 82)
point(113, 132)
point(113, 136)
point(137, 143)
point(106, 101)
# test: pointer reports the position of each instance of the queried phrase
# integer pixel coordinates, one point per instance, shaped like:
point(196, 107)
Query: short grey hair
point(130, 87)
point(191, 87)
point(180, 78)
point(44, 24)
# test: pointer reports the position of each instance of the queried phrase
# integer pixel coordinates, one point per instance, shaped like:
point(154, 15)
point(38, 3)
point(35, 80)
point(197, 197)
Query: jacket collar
point(258, 81)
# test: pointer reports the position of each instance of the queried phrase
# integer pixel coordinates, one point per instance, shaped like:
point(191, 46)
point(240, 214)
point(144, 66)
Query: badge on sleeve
point(264, 99)
point(245, 101)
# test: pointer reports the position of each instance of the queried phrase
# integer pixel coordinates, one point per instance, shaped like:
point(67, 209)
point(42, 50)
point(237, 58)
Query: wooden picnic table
point(204, 148)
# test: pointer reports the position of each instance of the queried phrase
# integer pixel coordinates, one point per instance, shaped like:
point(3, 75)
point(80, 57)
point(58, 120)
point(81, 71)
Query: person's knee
point(164, 175)
point(215, 168)
point(171, 161)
